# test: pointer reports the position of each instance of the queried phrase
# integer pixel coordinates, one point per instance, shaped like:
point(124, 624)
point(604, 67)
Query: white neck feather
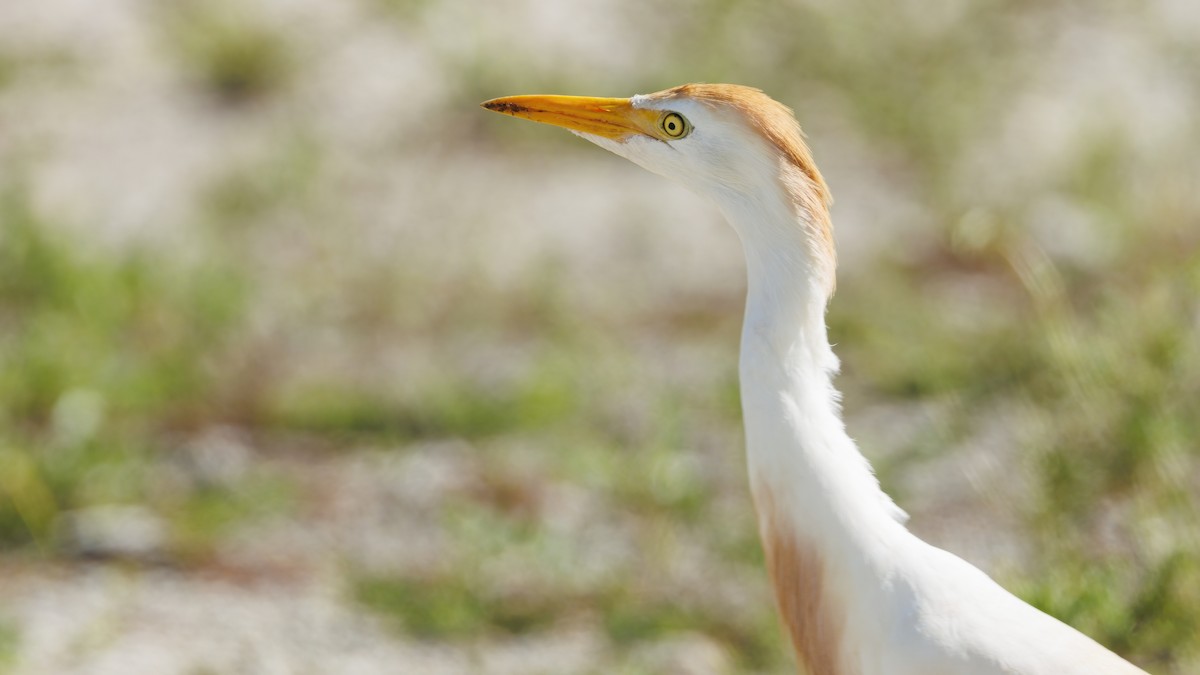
point(794, 431)
point(826, 524)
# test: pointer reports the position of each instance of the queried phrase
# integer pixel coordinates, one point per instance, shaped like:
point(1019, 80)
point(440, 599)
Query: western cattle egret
point(858, 592)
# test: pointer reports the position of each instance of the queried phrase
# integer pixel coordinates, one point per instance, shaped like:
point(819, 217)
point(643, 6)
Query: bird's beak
point(613, 118)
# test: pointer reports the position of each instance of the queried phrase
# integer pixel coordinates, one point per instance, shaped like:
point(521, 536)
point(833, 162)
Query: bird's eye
point(674, 126)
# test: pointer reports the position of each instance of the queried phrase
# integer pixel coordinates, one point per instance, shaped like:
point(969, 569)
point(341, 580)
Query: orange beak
point(613, 118)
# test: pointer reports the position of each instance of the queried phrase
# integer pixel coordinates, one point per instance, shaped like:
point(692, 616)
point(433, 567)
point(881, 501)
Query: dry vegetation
point(308, 365)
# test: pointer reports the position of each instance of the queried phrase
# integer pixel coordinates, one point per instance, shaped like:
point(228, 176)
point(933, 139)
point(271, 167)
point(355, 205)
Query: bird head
point(732, 143)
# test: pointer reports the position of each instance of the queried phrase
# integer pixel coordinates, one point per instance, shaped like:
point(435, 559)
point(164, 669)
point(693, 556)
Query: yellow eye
point(674, 126)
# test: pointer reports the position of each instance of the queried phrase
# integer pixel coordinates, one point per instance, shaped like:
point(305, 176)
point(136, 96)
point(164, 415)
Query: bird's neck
point(796, 441)
point(825, 522)
point(797, 446)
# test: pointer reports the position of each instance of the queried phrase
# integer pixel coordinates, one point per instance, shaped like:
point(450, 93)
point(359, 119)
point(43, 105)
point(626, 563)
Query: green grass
point(1149, 616)
point(651, 482)
point(231, 53)
point(251, 194)
point(447, 408)
point(206, 515)
point(405, 12)
point(449, 609)
point(10, 645)
point(104, 364)
point(452, 608)
point(10, 67)
point(138, 335)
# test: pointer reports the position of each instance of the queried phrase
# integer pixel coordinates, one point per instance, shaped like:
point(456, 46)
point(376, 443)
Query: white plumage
point(859, 593)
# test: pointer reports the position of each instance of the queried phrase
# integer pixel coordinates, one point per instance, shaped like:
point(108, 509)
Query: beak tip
point(501, 105)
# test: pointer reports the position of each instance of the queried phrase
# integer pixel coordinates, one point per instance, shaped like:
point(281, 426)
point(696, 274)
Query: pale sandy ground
point(117, 146)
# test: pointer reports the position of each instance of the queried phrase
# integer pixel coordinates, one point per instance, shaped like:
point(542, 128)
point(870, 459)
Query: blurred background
point(309, 365)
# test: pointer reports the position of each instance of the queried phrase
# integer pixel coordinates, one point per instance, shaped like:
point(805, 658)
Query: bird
point(857, 592)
